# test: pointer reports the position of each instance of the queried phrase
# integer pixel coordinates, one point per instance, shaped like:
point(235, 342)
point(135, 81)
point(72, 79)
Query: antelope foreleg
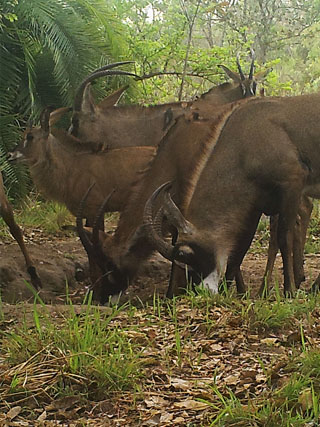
point(15, 230)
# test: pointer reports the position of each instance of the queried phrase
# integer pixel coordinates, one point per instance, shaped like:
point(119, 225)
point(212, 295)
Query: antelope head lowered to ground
point(276, 164)
point(179, 157)
point(108, 125)
point(63, 168)
point(222, 195)
point(7, 214)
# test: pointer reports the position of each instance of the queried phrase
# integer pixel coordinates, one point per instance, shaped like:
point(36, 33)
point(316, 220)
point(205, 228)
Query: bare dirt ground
point(61, 261)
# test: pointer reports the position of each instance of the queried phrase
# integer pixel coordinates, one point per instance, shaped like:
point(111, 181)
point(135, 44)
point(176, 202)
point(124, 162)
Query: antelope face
point(204, 256)
point(25, 149)
point(202, 263)
point(249, 88)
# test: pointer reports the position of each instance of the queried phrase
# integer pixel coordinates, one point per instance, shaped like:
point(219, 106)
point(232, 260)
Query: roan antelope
point(239, 172)
point(7, 214)
point(252, 170)
point(108, 126)
point(179, 156)
point(63, 168)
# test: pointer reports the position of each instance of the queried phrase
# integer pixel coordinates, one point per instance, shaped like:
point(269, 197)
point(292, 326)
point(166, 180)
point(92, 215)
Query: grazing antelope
point(276, 164)
point(178, 157)
point(107, 125)
point(62, 168)
point(7, 214)
point(240, 172)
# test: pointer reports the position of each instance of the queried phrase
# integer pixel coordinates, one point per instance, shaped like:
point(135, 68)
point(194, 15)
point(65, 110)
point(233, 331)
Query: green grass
point(50, 217)
point(185, 351)
point(86, 346)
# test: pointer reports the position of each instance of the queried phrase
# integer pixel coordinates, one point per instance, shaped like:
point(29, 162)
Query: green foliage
point(46, 48)
point(87, 345)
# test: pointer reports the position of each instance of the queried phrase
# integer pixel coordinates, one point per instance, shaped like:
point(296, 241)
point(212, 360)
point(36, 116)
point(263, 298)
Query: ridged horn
point(80, 91)
point(45, 118)
point(152, 234)
point(87, 244)
point(252, 64)
point(113, 65)
point(175, 216)
point(242, 76)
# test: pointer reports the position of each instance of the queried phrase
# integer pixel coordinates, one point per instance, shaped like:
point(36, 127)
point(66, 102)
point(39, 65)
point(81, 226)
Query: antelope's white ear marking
point(211, 282)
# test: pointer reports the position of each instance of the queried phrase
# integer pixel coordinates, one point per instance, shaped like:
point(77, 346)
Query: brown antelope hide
point(179, 157)
point(109, 126)
point(252, 170)
point(62, 168)
point(7, 214)
point(299, 239)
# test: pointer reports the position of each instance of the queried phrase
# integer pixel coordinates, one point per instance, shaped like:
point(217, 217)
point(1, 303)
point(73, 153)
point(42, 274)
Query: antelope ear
point(56, 115)
point(88, 105)
point(262, 74)
point(231, 74)
point(113, 98)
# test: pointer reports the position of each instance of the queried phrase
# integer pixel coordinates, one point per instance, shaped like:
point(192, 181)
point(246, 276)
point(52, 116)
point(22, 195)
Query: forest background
point(48, 46)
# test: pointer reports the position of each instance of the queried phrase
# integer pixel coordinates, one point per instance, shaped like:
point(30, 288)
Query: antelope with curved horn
point(114, 126)
point(179, 156)
point(63, 168)
point(277, 163)
point(220, 195)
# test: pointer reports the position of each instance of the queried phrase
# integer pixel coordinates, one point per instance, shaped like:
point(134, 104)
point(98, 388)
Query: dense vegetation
point(47, 47)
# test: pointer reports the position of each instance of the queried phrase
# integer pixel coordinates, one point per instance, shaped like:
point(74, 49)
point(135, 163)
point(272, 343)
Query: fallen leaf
point(231, 380)
point(261, 378)
point(42, 416)
point(13, 412)
point(156, 401)
point(178, 420)
point(270, 341)
point(154, 421)
point(165, 417)
point(305, 399)
point(181, 384)
point(194, 405)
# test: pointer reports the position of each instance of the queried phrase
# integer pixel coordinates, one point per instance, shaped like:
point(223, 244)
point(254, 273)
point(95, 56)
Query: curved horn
point(99, 218)
point(155, 240)
point(110, 66)
point(104, 262)
point(175, 216)
point(45, 118)
point(253, 57)
point(87, 244)
point(242, 76)
point(90, 78)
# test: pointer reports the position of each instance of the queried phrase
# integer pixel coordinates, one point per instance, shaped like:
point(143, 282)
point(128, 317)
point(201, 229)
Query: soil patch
point(62, 265)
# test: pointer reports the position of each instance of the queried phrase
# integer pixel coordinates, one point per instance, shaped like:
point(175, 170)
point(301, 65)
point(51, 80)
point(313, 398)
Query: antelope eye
point(29, 137)
point(184, 254)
